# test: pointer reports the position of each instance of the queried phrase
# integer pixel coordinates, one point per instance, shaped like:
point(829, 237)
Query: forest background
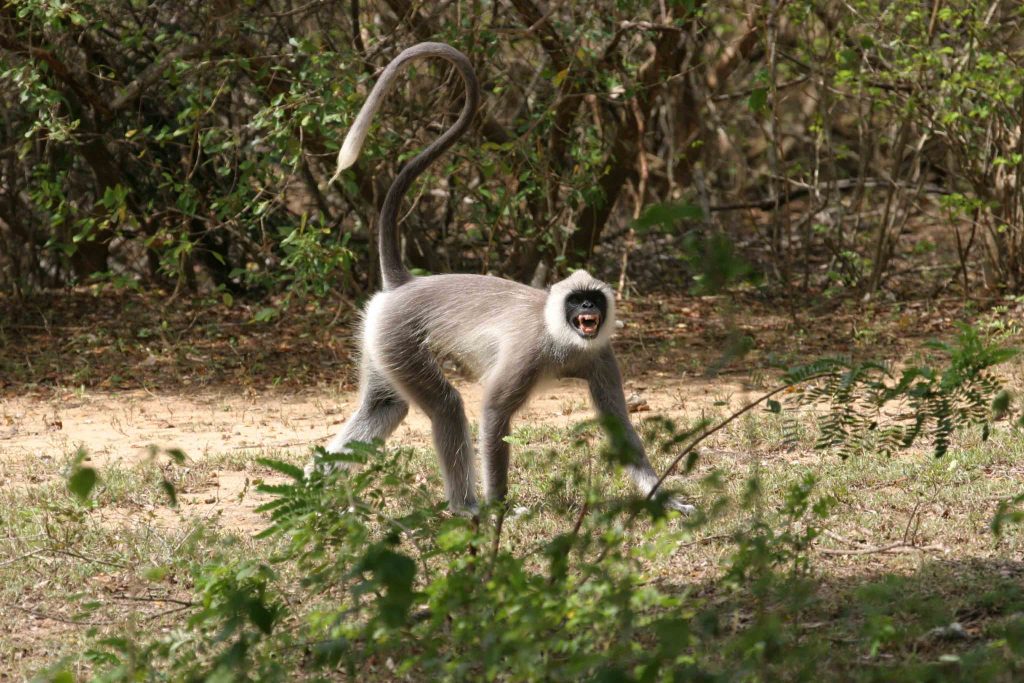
point(812, 212)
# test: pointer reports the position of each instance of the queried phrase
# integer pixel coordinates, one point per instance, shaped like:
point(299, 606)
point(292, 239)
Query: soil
point(38, 433)
point(118, 374)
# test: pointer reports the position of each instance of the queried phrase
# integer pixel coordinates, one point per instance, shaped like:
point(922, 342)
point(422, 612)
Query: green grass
point(906, 551)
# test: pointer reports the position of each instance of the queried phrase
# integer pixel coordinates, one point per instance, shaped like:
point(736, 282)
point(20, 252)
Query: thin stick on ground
point(721, 425)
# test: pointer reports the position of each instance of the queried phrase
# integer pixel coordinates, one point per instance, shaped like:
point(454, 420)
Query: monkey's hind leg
point(416, 373)
point(381, 410)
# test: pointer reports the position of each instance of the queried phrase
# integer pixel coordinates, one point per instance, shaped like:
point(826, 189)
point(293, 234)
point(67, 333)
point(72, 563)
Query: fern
point(871, 406)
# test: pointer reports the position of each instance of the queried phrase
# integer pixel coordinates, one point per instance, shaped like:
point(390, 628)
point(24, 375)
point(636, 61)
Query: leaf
point(275, 489)
point(265, 314)
point(262, 616)
point(758, 99)
point(285, 468)
point(667, 214)
point(774, 406)
point(1001, 403)
point(82, 481)
point(612, 674)
point(395, 572)
point(171, 492)
point(156, 573)
point(177, 455)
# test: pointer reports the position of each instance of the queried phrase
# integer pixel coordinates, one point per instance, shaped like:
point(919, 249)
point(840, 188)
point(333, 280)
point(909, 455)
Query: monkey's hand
point(674, 503)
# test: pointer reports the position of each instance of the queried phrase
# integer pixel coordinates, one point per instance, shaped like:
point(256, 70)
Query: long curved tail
point(393, 272)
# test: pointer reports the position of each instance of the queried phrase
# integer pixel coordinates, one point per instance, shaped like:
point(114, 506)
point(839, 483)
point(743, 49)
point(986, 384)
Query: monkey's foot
point(324, 468)
point(674, 503)
point(467, 510)
point(516, 513)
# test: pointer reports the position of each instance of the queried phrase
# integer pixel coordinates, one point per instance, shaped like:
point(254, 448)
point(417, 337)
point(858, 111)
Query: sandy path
point(38, 434)
point(120, 426)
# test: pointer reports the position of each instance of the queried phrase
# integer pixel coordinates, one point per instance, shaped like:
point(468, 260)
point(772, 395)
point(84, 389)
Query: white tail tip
point(349, 151)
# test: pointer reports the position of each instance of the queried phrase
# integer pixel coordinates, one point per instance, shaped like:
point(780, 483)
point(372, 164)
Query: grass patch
point(906, 578)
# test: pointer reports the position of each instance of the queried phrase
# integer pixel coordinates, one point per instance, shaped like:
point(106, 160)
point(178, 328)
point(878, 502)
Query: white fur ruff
point(560, 330)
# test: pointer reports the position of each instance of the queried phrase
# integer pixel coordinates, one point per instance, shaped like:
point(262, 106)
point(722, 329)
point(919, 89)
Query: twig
point(173, 610)
point(19, 558)
point(801, 190)
point(63, 620)
point(705, 540)
point(284, 444)
point(71, 553)
point(747, 93)
point(896, 547)
point(148, 598)
point(913, 515)
point(892, 549)
point(689, 449)
point(496, 545)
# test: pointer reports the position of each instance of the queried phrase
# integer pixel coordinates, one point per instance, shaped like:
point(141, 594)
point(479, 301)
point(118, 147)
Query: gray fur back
point(472, 319)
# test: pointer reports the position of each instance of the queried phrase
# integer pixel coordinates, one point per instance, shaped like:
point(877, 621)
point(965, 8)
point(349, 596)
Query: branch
point(776, 201)
point(59, 69)
point(689, 449)
point(538, 23)
point(152, 73)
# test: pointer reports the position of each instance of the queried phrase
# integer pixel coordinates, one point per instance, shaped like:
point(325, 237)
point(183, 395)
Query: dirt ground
point(37, 433)
point(203, 379)
point(121, 377)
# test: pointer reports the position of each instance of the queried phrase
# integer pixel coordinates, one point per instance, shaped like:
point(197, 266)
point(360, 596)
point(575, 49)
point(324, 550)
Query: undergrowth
point(370, 579)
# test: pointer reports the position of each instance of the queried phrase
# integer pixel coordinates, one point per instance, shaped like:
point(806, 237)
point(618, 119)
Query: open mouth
point(587, 323)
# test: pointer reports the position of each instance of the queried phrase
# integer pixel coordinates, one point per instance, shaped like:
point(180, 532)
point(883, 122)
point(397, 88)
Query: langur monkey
point(509, 335)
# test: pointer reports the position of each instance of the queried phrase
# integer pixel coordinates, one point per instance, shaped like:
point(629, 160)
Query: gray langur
point(509, 335)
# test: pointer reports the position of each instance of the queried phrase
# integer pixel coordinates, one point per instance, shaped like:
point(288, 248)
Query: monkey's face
point(585, 312)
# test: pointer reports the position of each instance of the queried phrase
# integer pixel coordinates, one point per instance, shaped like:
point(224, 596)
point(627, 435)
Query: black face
point(585, 311)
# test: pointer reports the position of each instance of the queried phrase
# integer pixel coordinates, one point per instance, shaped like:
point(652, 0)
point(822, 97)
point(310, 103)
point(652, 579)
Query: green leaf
point(1001, 403)
point(285, 468)
point(82, 481)
point(667, 214)
point(170, 491)
point(262, 616)
point(156, 573)
point(275, 489)
point(774, 406)
point(395, 572)
point(177, 455)
point(758, 99)
point(265, 314)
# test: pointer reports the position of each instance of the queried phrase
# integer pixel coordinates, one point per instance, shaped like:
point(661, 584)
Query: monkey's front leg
point(606, 391)
point(505, 392)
